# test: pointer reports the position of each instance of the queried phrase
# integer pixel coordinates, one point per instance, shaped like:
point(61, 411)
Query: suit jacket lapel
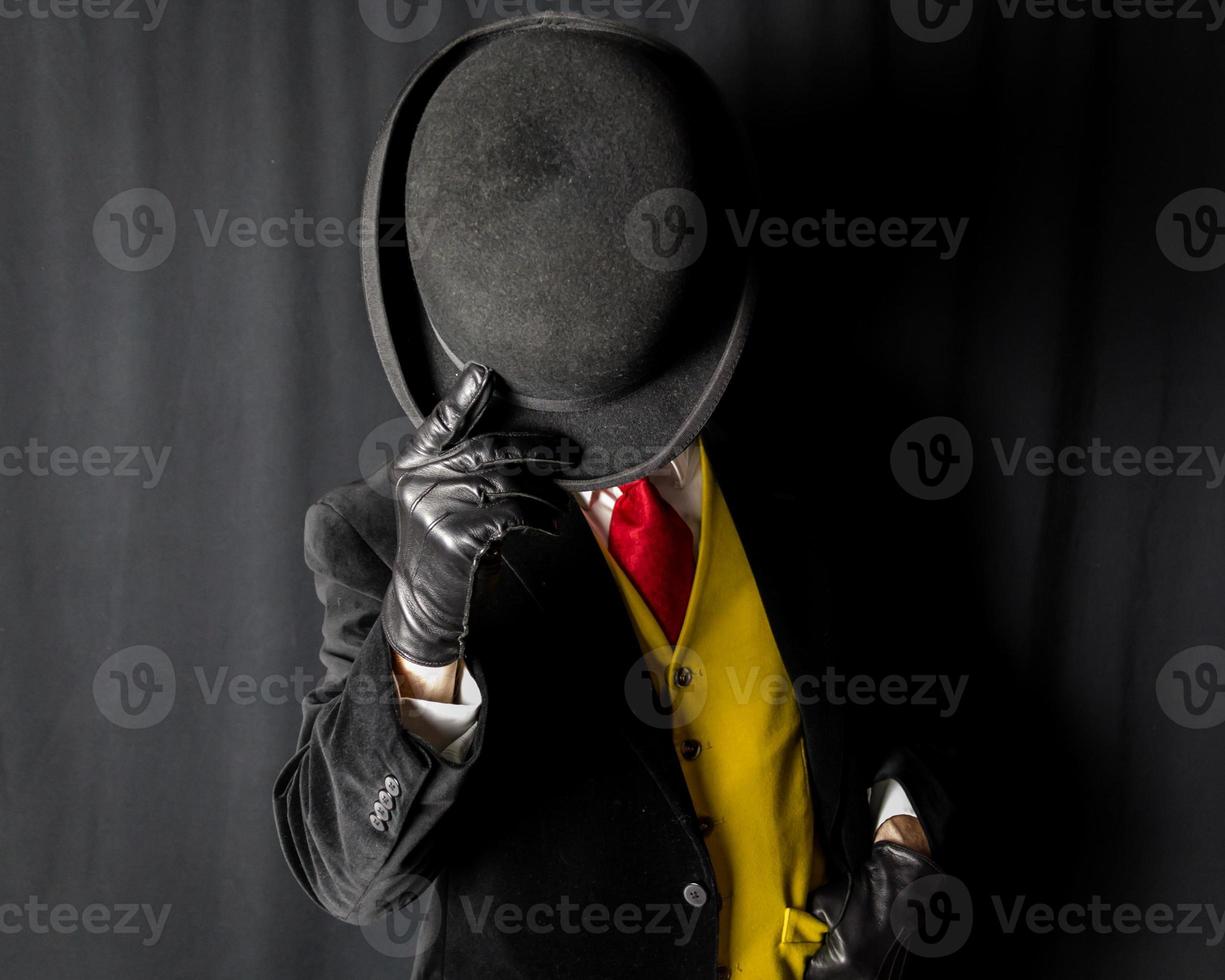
point(569, 581)
point(792, 587)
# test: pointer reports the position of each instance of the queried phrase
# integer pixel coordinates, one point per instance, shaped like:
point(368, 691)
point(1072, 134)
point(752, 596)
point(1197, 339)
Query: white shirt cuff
point(448, 728)
point(887, 800)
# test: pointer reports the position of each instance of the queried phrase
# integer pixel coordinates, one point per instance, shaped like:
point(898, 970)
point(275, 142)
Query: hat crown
point(528, 161)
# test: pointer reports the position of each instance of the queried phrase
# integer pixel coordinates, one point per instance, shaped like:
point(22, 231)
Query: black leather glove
point(862, 943)
point(456, 498)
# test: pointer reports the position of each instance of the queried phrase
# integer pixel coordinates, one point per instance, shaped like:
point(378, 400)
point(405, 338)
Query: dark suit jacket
point(567, 804)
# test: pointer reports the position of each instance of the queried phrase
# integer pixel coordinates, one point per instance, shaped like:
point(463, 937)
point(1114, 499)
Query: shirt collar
point(676, 473)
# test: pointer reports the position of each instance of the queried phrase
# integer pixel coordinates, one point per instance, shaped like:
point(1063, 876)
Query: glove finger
point(454, 416)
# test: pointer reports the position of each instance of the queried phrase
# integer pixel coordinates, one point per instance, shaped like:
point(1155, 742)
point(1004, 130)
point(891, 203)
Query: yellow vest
point(748, 780)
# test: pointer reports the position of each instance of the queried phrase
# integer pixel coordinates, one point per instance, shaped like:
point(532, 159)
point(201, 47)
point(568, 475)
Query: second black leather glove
point(862, 943)
point(456, 497)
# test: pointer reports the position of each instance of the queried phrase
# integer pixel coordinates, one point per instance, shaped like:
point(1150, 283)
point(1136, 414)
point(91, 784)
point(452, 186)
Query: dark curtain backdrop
point(1060, 319)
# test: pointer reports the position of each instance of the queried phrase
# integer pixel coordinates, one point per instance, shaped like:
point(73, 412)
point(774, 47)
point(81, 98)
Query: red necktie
point(654, 547)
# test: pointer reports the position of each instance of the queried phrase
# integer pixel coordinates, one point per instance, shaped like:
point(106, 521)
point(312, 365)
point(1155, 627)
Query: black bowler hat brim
point(628, 433)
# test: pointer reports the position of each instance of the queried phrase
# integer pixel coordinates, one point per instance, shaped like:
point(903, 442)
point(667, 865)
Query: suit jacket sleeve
point(352, 745)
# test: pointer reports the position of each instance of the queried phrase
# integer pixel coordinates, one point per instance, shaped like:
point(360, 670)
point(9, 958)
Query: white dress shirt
point(450, 728)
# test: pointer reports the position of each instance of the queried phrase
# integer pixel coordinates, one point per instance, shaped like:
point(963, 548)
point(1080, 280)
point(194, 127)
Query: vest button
point(691, 748)
point(695, 894)
point(705, 825)
point(683, 677)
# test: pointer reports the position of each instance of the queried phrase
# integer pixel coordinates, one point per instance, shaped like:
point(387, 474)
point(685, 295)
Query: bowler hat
point(546, 197)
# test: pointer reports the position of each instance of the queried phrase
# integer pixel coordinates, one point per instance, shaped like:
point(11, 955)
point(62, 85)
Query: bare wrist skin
point(907, 831)
point(426, 683)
